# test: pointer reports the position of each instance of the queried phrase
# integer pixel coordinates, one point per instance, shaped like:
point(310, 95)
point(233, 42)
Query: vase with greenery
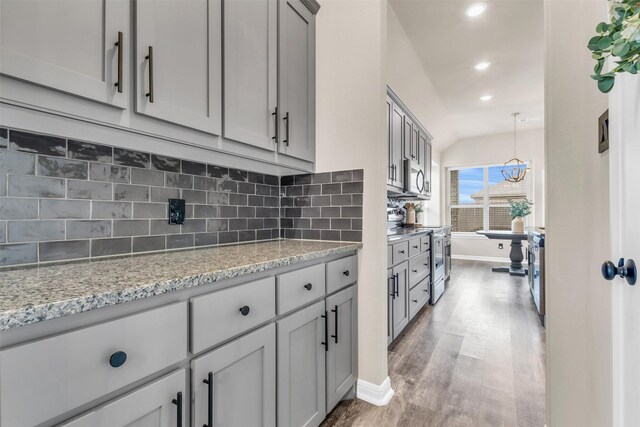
point(518, 210)
point(618, 40)
point(419, 213)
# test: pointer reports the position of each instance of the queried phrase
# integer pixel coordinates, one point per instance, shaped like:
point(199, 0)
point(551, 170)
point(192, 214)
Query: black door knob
point(117, 359)
point(626, 270)
point(308, 286)
point(245, 310)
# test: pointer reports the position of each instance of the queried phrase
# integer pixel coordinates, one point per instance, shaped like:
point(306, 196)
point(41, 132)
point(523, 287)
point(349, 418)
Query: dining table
point(515, 255)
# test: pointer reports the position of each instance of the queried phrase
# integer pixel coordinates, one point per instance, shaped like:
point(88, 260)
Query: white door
point(624, 117)
point(68, 45)
point(250, 72)
point(296, 80)
point(179, 62)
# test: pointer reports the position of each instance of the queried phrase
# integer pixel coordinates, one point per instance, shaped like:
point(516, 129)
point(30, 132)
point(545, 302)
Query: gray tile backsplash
point(64, 199)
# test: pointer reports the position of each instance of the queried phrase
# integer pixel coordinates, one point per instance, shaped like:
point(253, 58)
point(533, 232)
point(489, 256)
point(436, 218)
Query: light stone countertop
point(34, 294)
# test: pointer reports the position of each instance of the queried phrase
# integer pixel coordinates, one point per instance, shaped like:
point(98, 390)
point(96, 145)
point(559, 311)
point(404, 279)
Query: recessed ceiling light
point(486, 98)
point(475, 9)
point(482, 65)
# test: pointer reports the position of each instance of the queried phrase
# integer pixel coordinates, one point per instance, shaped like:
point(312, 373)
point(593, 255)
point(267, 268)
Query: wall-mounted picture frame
point(603, 132)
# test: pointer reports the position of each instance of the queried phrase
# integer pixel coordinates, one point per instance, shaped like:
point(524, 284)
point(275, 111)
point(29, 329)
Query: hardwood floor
point(477, 358)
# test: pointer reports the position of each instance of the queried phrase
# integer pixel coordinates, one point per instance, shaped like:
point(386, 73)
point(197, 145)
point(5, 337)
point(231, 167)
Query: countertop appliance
point(535, 259)
point(414, 180)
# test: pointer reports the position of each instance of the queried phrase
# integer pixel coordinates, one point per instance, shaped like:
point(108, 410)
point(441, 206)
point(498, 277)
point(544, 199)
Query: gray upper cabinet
point(68, 46)
point(388, 112)
point(301, 368)
point(236, 383)
point(296, 80)
point(250, 71)
point(428, 163)
point(408, 148)
point(343, 341)
point(400, 307)
point(395, 147)
point(179, 73)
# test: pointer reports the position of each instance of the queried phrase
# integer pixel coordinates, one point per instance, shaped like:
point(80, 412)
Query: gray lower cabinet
point(343, 341)
point(301, 367)
point(399, 304)
point(235, 384)
point(162, 403)
point(391, 285)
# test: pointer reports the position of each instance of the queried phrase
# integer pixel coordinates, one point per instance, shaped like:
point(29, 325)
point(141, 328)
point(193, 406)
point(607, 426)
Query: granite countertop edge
point(10, 319)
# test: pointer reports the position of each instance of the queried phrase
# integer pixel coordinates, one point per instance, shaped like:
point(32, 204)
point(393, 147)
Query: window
point(479, 198)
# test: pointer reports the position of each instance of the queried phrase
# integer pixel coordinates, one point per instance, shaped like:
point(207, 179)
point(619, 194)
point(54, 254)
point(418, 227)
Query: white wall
point(494, 150)
point(350, 134)
point(578, 299)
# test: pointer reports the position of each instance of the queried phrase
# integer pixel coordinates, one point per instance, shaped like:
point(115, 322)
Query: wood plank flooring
point(477, 358)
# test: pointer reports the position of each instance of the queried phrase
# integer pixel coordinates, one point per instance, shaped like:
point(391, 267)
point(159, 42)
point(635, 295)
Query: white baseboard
point(379, 395)
point(481, 258)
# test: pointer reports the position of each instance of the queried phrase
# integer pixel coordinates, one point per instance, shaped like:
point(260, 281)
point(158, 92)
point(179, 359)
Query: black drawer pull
point(346, 273)
point(427, 264)
point(117, 359)
point(416, 247)
point(335, 311)
point(209, 383)
point(401, 251)
point(325, 343)
point(178, 402)
point(245, 310)
point(308, 286)
point(415, 271)
point(118, 44)
point(149, 58)
point(414, 300)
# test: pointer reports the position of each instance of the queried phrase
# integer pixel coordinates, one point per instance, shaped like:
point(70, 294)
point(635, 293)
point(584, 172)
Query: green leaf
point(621, 49)
point(606, 84)
point(593, 43)
point(598, 68)
point(604, 43)
point(602, 27)
point(616, 35)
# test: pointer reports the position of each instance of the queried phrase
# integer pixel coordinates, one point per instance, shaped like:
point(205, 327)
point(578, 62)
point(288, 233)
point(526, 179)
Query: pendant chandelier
point(514, 170)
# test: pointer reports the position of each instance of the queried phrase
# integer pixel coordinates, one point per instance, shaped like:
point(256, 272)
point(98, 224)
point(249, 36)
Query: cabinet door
point(159, 404)
point(241, 382)
point(391, 297)
point(343, 341)
point(408, 139)
point(296, 80)
point(400, 303)
point(67, 45)
point(178, 62)
point(390, 170)
point(250, 71)
point(417, 155)
point(397, 133)
point(301, 368)
point(427, 168)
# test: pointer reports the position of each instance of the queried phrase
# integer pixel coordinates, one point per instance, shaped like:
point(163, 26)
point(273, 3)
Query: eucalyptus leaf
point(606, 84)
point(621, 49)
point(598, 68)
point(602, 27)
point(604, 42)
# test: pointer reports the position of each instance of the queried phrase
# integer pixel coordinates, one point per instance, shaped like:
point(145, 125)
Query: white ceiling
point(448, 43)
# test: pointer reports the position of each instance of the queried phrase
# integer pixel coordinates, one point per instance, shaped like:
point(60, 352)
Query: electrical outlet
point(500, 246)
point(176, 211)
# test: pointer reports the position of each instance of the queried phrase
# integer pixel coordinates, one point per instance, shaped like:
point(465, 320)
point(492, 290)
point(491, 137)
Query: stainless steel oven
point(438, 264)
point(447, 252)
point(536, 271)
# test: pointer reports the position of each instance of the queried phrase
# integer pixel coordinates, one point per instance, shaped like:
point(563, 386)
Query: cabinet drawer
point(47, 378)
point(217, 316)
point(400, 252)
point(425, 242)
point(299, 287)
point(418, 269)
point(341, 273)
point(414, 246)
point(418, 297)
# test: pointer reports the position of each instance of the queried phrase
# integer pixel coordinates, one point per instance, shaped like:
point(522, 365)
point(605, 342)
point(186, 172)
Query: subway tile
point(287, 180)
point(217, 171)
point(17, 163)
point(62, 168)
point(276, 233)
point(358, 175)
point(356, 224)
point(302, 223)
point(164, 163)
point(131, 158)
point(246, 188)
point(31, 186)
point(64, 209)
point(246, 236)
point(102, 172)
point(238, 199)
point(263, 234)
point(150, 210)
point(188, 211)
point(311, 212)
point(311, 234)
point(340, 224)
point(194, 226)
point(36, 143)
point(227, 186)
point(24, 253)
point(3, 231)
point(215, 198)
point(277, 191)
point(271, 180)
point(217, 225)
point(162, 194)
point(342, 176)
point(291, 233)
point(105, 247)
point(205, 211)
point(330, 235)
point(287, 201)
point(286, 222)
point(148, 243)
point(147, 177)
point(322, 178)
point(263, 190)
point(3, 185)
point(302, 201)
point(18, 208)
point(228, 211)
point(4, 135)
point(194, 196)
point(321, 200)
point(302, 179)
point(352, 187)
point(33, 231)
point(238, 175)
point(87, 151)
point(332, 188)
point(194, 168)
point(351, 236)
point(206, 239)
point(256, 178)
point(330, 212)
point(246, 212)
point(320, 223)
point(205, 183)
point(256, 200)
point(130, 227)
point(293, 212)
point(273, 212)
point(356, 199)
point(88, 229)
point(132, 193)
point(227, 237)
point(311, 190)
point(89, 190)
point(162, 226)
point(57, 251)
point(341, 199)
point(178, 180)
point(271, 201)
point(271, 222)
point(179, 241)
point(111, 210)
point(352, 211)
point(294, 190)
point(255, 223)
point(237, 224)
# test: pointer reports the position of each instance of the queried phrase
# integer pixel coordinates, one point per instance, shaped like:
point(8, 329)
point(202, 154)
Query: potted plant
point(518, 210)
point(419, 213)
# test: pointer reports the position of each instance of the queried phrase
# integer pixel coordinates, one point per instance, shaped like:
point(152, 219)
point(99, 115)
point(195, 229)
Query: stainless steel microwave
point(414, 179)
